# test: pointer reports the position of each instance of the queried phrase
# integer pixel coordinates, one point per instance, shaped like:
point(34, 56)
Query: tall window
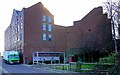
point(21, 25)
point(20, 16)
point(18, 38)
point(44, 37)
point(21, 36)
point(49, 27)
point(44, 18)
point(18, 27)
point(50, 37)
point(49, 19)
point(44, 26)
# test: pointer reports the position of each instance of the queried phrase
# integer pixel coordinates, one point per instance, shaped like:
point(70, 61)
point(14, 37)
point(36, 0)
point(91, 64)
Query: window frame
point(49, 27)
point(44, 26)
point(44, 18)
point(44, 37)
point(49, 37)
point(49, 19)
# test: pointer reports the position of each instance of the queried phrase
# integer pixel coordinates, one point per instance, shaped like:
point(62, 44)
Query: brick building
point(32, 29)
point(91, 33)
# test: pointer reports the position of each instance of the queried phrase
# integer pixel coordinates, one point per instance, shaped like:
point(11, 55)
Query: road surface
point(22, 69)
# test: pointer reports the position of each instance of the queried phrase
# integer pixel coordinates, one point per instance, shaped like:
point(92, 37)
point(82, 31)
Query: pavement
point(2, 70)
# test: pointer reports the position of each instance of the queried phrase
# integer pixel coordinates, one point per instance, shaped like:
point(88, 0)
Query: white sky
point(64, 11)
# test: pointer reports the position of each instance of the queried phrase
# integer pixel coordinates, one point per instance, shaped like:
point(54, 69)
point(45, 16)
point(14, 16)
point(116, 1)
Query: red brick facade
point(93, 30)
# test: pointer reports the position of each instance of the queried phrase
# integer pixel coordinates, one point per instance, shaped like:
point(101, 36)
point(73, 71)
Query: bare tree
point(113, 10)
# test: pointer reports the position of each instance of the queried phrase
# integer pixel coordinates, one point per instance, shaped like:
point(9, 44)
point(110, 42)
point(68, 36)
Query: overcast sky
point(64, 11)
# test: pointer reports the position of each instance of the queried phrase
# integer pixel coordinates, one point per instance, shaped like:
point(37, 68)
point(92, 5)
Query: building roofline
point(39, 3)
point(99, 7)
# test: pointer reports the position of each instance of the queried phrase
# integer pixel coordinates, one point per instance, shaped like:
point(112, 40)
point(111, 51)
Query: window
point(49, 27)
point(44, 37)
point(15, 39)
point(21, 36)
point(44, 26)
point(20, 16)
point(18, 27)
point(21, 25)
point(44, 18)
point(50, 37)
point(18, 38)
point(49, 19)
point(17, 20)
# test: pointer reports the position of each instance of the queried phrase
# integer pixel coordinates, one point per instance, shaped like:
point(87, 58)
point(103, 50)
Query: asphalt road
point(22, 69)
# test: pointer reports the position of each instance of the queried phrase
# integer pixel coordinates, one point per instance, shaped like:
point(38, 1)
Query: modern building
point(33, 30)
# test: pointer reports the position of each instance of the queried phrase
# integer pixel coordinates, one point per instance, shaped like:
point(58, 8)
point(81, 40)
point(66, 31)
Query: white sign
point(45, 58)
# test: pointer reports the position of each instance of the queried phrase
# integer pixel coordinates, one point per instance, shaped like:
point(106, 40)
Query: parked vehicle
point(11, 57)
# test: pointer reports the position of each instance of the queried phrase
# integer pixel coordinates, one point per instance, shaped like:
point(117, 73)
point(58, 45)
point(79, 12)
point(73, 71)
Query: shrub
point(110, 59)
point(29, 62)
point(78, 67)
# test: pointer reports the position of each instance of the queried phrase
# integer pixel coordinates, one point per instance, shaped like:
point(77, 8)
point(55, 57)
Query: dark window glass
point(21, 36)
point(50, 37)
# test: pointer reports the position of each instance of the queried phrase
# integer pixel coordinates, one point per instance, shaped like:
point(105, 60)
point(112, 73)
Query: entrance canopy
point(47, 56)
